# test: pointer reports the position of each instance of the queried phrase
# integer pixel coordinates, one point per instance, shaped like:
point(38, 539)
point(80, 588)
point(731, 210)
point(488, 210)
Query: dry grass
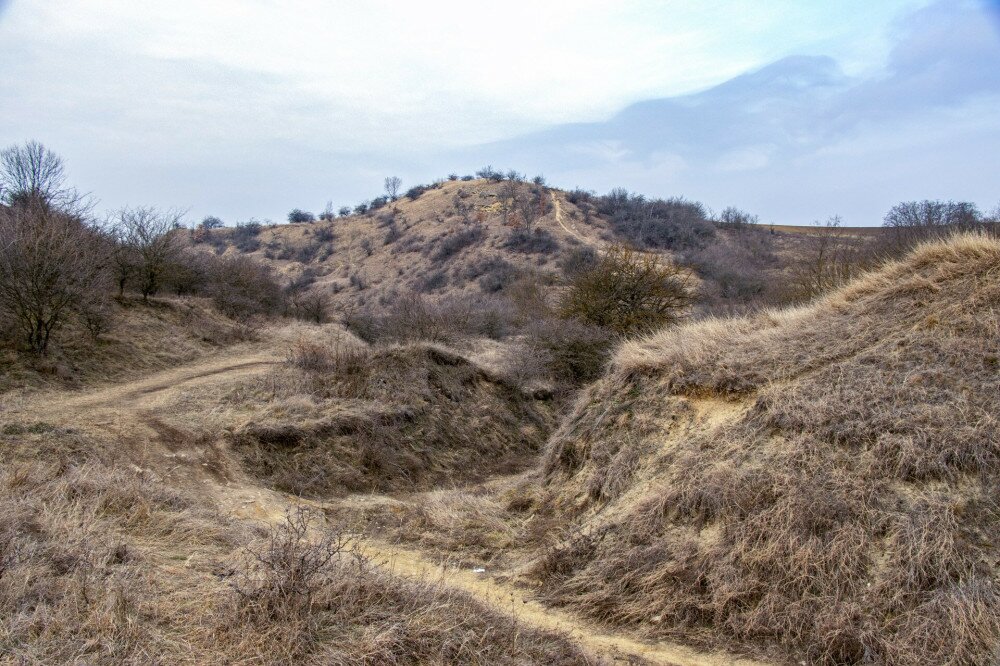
point(340, 419)
point(101, 563)
point(141, 338)
point(823, 480)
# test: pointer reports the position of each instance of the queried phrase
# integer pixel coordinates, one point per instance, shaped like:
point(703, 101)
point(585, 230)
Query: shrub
point(574, 351)
point(241, 288)
point(578, 196)
point(211, 222)
point(361, 208)
point(378, 202)
point(281, 576)
point(324, 235)
point(493, 273)
point(433, 281)
point(149, 237)
point(297, 216)
point(675, 223)
point(734, 218)
point(629, 292)
point(344, 211)
point(453, 243)
point(414, 192)
point(245, 235)
point(911, 222)
point(392, 234)
point(489, 173)
point(578, 260)
point(537, 241)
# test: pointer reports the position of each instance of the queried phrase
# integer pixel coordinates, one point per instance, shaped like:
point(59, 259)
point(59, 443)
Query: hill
point(822, 479)
point(481, 239)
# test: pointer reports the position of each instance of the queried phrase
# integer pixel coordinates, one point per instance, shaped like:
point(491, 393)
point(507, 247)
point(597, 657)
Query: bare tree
point(910, 222)
point(830, 257)
point(392, 185)
point(50, 264)
point(31, 173)
point(144, 234)
point(531, 205)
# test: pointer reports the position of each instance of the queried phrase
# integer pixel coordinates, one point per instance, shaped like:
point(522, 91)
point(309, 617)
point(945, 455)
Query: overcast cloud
point(796, 110)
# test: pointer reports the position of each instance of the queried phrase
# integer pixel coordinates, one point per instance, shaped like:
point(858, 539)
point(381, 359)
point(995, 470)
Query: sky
point(246, 109)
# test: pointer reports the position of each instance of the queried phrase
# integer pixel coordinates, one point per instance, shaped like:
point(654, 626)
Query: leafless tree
point(531, 205)
point(392, 185)
point(145, 236)
point(830, 257)
point(50, 264)
point(32, 174)
point(911, 222)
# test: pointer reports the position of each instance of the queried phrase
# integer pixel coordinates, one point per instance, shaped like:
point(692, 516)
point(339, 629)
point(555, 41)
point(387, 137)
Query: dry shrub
point(305, 595)
point(629, 292)
point(822, 481)
point(573, 351)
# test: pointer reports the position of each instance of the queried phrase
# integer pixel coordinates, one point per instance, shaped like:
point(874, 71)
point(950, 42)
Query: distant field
point(812, 229)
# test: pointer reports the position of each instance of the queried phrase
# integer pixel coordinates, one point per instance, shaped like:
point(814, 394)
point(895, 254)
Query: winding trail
point(131, 410)
point(559, 220)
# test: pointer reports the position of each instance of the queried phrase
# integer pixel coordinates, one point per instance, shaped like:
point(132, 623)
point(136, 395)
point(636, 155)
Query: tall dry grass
point(823, 481)
point(102, 563)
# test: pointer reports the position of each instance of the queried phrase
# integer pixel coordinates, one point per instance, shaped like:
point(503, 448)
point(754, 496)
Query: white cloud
point(252, 106)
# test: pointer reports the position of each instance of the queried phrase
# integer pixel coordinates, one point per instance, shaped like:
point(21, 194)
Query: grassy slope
point(359, 248)
point(143, 337)
point(823, 479)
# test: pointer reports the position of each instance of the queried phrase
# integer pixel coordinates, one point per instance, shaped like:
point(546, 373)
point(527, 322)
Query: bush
point(489, 173)
point(574, 351)
point(912, 222)
point(454, 243)
point(298, 216)
point(241, 288)
point(415, 317)
point(674, 224)
point(245, 235)
point(433, 281)
point(629, 292)
point(578, 260)
point(537, 241)
point(378, 202)
point(734, 218)
point(344, 211)
point(578, 196)
point(211, 222)
point(361, 208)
point(493, 273)
point(324, 235)
point(414, 192)
point(392, 234)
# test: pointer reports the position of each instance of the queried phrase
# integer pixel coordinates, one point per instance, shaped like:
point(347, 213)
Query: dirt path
point(134, 407)
point(572, 232)
point(412, 564)
point(144, 393)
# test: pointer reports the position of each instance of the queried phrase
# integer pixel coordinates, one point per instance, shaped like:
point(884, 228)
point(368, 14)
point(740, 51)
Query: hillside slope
point(452, 239)
point(824, 480)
